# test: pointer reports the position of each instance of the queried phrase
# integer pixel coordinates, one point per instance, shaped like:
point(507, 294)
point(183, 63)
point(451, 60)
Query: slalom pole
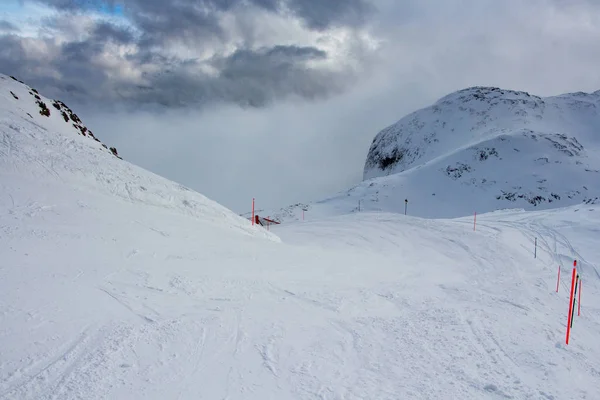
point(573, 313)
point(558, 280)
point(579, 300)
point(571, 300)
point(252, 211)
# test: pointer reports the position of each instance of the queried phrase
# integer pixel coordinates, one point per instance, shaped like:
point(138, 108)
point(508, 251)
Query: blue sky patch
point(16, 7)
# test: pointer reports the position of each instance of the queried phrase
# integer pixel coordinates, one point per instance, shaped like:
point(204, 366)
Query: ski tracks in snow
point(556, 245)
point(73, 372)
point(46, 371)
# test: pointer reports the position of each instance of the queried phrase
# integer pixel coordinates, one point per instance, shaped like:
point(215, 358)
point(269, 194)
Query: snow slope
point(116, 283)
point(480, 149)
point(51, 150)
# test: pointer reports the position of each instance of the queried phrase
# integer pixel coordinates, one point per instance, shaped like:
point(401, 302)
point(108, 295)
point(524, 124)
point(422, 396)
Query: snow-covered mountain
point(116, 283)
point(478, 150)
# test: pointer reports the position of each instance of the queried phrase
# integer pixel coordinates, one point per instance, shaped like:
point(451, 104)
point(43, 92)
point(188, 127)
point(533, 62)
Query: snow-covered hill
point(116, 283)
point(478, 150)
point(42, 140)
point(477, 118)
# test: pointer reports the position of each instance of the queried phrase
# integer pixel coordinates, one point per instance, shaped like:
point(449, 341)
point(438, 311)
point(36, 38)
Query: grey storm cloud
point(249, 78)
point(251, 75)
point(320, 14)
point(107, 31)
point(12, 54)
point(6, 26)
point(197, 15)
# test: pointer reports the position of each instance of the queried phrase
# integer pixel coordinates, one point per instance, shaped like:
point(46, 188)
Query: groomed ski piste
point(116, 283)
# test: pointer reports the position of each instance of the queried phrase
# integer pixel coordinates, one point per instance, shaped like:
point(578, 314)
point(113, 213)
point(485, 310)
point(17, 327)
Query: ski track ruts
point(302, 300)
point(94, 373)
point(140, 315)
point(198, 356)
point(567, 243)
point(268, 351)
point(541, 230)
point(237, 338)
point(533, 230)
point(38, 380)
point(210, 348)
point(7, 144)
point(501, 368)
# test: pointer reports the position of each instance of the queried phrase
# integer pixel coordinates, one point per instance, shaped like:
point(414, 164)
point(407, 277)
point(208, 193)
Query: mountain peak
point(483, 93)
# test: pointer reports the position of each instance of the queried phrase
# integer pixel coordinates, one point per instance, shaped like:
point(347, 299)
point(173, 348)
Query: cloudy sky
point(280, 99)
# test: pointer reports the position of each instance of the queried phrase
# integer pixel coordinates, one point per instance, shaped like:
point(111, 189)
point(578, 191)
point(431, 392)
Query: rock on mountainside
point(481, 149)
point(27, 103)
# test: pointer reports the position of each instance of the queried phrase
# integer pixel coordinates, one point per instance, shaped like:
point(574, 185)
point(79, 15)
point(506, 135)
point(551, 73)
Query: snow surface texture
point(478, 150)
point(118, 284)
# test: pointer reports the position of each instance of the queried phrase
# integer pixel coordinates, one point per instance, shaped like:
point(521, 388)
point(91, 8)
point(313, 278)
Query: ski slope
point(116, 283)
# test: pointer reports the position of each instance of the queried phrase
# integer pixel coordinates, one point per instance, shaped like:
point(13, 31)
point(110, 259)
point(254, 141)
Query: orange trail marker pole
point(253, 211)
point(571, 300)
point(558, 280)
point(579, 300)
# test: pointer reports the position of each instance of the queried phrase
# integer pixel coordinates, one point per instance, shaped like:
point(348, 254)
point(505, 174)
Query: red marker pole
point(579, 300)
point(252, 211)
point(558, 280)
point(571, 300)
